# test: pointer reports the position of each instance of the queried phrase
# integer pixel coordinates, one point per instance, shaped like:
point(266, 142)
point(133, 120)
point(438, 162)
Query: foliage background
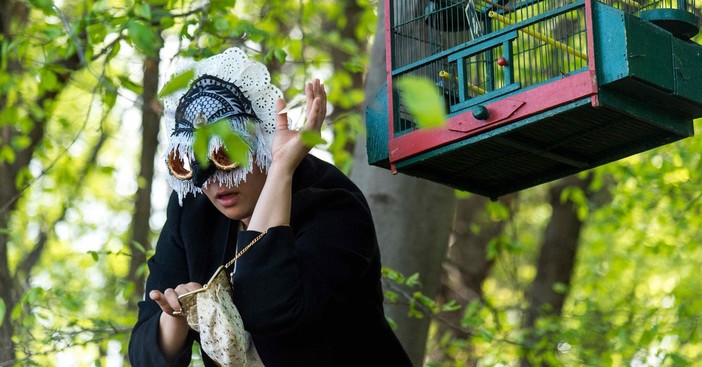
point(74, 96)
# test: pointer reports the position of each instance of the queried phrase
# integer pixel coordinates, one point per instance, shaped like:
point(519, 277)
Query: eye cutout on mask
point(221, 160)
point(179, 167)
point(182, 169)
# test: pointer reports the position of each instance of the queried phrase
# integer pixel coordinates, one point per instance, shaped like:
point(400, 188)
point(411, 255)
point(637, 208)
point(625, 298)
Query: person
point(309, 291)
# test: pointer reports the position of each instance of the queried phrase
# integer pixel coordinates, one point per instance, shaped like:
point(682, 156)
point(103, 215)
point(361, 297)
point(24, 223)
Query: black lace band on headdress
point(213, 99)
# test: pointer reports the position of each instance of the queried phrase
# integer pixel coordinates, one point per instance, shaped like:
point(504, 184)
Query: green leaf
point(144, 37)
point(280, 55)
point(560, 288)
point(129, 84)
point(138, 246)
point(46, 6)
point(143, 11)
point(94, 255)
point(451, 306)
point(678, 360)
point(2, 310)
point(354, 67)
point(426, 301)
point(167, 22)
point(486, 335)
point(237, 148)
point(393, 275)
point(493, 248)
point(391, 296)
point(221, 24)
point(201, 146)
point(311, 138)
point(7, 154)
point(413, 280)
point(423, 100)
point(177, 82)
point(113, 51)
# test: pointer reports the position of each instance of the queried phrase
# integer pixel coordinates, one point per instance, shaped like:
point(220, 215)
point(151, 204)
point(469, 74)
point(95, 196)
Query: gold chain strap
point(243, 250)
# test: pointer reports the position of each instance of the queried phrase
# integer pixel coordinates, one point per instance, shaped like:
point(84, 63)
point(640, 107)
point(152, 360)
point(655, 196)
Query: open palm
point(288, 149)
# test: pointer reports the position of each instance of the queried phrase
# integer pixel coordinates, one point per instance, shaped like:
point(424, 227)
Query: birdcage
point(535, 90)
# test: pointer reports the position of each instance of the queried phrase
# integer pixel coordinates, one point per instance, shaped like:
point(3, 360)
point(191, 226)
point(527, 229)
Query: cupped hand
point(168, 299)
point(288, 148)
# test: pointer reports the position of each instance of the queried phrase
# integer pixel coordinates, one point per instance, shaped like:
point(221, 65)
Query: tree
point(412, 217)
point(71, 141)
point(23, 128)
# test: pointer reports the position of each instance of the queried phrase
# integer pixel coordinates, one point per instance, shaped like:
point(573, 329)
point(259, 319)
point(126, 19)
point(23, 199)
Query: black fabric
point(309, 294)
point(202, 174)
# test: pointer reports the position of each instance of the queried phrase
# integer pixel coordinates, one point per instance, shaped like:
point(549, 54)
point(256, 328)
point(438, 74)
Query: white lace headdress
point(227, 86)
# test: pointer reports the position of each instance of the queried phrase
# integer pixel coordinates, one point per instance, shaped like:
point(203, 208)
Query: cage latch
point(494, 112)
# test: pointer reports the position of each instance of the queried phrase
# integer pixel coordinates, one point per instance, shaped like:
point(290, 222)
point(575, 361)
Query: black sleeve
point(288, 279)
point(167, 268)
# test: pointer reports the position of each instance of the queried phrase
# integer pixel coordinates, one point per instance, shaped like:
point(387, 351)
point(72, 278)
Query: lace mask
point(231, 87)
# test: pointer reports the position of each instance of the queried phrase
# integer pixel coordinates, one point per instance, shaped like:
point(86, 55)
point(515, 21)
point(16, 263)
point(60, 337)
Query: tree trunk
point(556, 260)
point(141, 231)
point(467, 264)
point(15, 14)
point(412, 217)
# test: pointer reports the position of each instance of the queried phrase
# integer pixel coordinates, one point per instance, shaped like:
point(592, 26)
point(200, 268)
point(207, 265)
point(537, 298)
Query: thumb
point(281, 119)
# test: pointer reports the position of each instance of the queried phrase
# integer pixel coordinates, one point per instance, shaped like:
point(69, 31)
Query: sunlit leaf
point(201, 146)
point(311, 138)
point(113, 51)
point(423, 100)
point(129, 84)
point(138, 246)
point(94, 255)
point(7, 154)
point(413, 280)
point(236, 148)
point(46, 6)
point(176, 83)
point(143, 36)
point(485, 334)
point(393, 275)
point(391, 296)
point(142, 11)
point(2, 311)
point(167, 22)
point(451, 306)
point(354, 67)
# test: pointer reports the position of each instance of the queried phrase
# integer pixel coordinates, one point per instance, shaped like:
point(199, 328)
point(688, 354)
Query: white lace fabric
point(253, 79)
point(211, 312)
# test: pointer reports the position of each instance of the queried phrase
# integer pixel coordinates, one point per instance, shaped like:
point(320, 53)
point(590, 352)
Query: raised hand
point(288, 148)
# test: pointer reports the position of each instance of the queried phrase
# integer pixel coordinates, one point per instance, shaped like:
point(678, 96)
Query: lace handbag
point(211, 312)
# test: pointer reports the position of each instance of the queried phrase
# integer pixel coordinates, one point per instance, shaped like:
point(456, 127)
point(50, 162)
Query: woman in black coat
point(308, 290)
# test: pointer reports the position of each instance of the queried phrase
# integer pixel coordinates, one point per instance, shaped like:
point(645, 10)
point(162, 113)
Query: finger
point(155, 295)
point(188, 287)
point(162, 302)
point(281, 119)
point(171, 302)
point(322, 102)
point(313, 118)
point(309, 93)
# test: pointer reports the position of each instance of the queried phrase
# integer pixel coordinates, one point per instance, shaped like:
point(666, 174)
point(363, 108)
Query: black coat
point(309, 294)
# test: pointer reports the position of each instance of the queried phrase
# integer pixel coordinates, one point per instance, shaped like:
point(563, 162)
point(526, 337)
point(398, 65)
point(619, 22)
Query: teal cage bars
point(528, 88)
